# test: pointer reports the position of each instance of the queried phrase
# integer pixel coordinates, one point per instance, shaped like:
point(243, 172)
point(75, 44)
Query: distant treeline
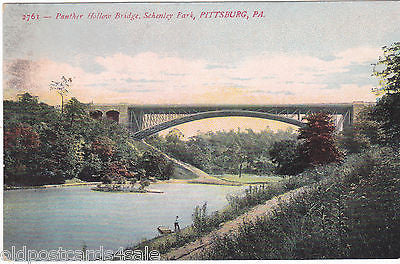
point(43, 145)
point(225, 152)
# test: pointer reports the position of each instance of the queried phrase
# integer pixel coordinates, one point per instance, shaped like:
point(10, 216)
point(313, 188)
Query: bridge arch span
point(211, 114)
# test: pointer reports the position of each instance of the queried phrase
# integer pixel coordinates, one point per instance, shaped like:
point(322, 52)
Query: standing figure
point(176, 225)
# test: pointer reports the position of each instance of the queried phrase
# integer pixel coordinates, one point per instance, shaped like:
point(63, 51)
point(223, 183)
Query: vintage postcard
point(201, 130)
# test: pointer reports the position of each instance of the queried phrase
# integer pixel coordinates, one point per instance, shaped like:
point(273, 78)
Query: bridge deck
point(143, 119)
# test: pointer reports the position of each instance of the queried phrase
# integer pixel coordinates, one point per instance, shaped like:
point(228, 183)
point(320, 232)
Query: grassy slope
point(353, 213)
point(249, 178)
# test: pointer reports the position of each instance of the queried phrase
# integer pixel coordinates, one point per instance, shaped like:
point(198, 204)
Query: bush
point(352, 213)
point(285, 153)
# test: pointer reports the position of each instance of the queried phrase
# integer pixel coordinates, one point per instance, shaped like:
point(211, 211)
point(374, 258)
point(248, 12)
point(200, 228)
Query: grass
point(204, 223)
point(249, 178)
point(352, 213)
point(182, 173)
point(68, 183)
point(165, 243)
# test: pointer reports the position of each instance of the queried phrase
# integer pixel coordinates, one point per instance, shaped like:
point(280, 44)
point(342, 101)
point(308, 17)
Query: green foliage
point(373, 204)
point(363, 133)
point(249, 178)
point(352, 213)
point(353, 141)
point(92, 169)
point(387, 114)
point(200, 219)
point(75, 110)
point(387, 110)
point(43, 146)
point(239, 203)
point(204, 222)
point(387, 69)
point(155, 166)
point(232, 152)
point(103, 147)
point(317, 146)
point(20, 144)
point(286, 154)
point(293, 232)
point(27, 110)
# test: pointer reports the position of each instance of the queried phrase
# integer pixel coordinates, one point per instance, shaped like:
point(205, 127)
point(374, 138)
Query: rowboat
point(164, 230)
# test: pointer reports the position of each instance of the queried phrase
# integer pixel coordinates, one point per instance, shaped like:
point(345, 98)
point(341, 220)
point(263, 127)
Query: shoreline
point(46, 186)
point(210, 180)
point(204, 179)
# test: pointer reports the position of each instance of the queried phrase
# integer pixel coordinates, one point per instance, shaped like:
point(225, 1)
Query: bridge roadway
point(145, 120)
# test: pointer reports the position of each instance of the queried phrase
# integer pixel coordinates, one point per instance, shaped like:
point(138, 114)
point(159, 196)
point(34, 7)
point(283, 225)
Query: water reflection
point(71, 217)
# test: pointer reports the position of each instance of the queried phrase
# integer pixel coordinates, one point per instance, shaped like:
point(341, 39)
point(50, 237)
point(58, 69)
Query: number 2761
point(32, 16)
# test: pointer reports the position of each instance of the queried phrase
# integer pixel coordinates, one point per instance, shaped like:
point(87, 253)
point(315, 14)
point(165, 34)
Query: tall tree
point(319, 146)
point(74, 110)
point(387, 109)
point(21, 144)
point(363, 133)
point(387, 69)
point(62, 88)
point(387, 114)
point(285, 154)
point(27, 98)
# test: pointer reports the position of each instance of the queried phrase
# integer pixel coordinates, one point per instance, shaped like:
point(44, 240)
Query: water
point(71, 217)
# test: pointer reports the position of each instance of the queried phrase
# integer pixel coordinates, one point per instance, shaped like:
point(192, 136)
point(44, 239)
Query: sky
point(297, 52)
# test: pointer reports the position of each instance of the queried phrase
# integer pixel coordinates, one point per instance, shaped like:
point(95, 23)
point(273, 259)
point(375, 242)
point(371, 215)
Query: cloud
point(240, 79)
point(20, 75)
point(217, 66)
point(130, 80)
point(152, 78)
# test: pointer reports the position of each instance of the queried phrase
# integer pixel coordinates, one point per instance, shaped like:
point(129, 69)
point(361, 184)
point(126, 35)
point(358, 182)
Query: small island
point(128, 186)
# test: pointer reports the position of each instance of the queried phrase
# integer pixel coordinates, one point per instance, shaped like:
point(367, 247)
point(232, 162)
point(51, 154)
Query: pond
point(71, 217)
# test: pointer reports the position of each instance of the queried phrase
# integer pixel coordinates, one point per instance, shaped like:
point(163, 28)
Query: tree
point(104, 147)
point(174, 136)
point(387, 69)
point(75, 110)
point(21, 144)
point(62, 88)
point(117, 172)
point(27, 98)
point(285, 154)
point(387, 114)
point(154, 165)
point(387, 110)
point(23, 136)
point(363, 133)
point(239, 155)
point(319, 146)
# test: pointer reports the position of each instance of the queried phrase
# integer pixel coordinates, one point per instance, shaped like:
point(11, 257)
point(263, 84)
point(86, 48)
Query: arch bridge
point(145, 120)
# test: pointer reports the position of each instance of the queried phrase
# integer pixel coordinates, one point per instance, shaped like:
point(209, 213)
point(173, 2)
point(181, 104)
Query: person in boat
point(176, 225)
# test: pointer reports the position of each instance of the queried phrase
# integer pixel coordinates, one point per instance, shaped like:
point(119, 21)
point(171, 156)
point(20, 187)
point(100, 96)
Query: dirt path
point(192, 250)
